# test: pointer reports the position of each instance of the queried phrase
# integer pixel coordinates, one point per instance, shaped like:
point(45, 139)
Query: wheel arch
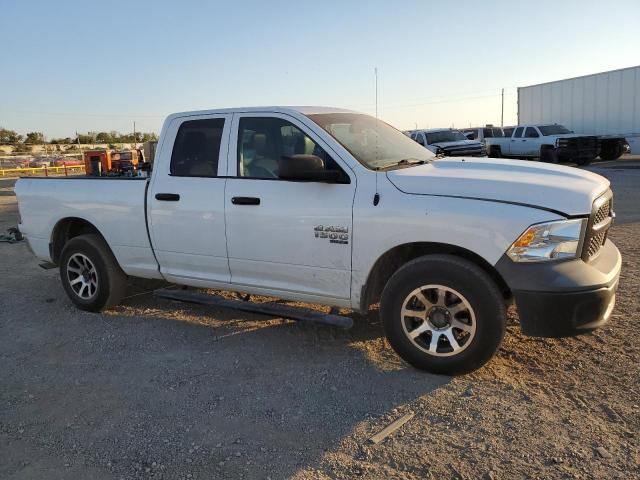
point(66, 229)
point(390, 261)
point(546, 146)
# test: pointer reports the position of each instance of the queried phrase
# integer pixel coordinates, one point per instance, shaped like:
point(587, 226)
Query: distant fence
point(42, 171)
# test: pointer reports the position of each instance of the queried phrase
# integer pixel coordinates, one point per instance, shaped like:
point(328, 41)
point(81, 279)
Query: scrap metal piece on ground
point(392, 427)
point(277, 310)
point(13, 236)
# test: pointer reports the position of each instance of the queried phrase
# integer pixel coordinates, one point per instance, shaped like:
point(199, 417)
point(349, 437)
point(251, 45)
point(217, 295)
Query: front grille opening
point(596, 237)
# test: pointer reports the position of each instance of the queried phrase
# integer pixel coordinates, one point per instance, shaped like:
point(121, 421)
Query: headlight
point(549, 241)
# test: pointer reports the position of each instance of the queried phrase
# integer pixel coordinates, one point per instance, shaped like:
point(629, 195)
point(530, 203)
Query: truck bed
point(114, 205)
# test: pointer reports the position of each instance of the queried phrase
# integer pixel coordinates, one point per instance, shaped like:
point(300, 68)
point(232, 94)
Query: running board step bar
point(271, 309)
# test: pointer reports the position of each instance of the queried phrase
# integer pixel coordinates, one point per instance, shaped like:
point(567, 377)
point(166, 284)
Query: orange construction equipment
point(99, 163)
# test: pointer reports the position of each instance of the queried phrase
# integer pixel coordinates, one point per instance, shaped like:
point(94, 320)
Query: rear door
point(286, 236)
point(516, 144)
point(186, 203)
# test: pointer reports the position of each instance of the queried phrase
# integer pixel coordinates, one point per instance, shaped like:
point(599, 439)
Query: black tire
point(549, 155)
point(611, 152)
point(583, 162)
point(495, 151)
point(467, 279)
point(110, 280)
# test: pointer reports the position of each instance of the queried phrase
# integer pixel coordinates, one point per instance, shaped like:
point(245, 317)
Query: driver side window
point(263, 141)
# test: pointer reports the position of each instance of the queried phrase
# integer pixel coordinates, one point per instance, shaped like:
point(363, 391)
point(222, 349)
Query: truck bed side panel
point(114, 207)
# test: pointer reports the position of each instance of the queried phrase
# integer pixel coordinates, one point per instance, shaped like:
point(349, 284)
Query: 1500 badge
point(335, 234)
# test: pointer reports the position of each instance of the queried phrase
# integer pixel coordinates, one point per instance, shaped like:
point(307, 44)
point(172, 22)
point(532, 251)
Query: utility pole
point(502, 110)
point(375, 71)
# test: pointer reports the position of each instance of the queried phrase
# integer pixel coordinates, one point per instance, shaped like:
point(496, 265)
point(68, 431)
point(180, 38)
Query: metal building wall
point(605, 103)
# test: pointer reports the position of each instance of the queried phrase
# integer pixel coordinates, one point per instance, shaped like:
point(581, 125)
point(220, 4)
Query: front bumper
point(561, 299)
point(570, 153)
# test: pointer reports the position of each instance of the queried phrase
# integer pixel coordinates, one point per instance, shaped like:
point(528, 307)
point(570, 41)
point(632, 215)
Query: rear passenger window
point(531, 133)
point(518, 133)
point(197, 148)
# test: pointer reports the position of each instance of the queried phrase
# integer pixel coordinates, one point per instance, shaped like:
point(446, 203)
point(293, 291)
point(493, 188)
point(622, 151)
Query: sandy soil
point(157, 389)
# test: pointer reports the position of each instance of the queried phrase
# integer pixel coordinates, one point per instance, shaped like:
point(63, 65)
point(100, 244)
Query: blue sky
point(80, 65)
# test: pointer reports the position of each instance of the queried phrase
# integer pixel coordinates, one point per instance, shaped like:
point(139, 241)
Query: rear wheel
point(495, 151)
point(443, 314)
point(90, 274)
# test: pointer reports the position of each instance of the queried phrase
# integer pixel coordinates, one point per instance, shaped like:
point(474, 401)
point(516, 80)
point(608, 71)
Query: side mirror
point(309, 168)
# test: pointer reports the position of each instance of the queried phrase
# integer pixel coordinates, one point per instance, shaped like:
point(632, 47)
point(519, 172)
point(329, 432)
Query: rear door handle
point(245, 200)
point(168, 197)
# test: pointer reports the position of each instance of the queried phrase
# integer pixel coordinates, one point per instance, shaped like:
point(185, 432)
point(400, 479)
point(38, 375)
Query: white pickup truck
point(550, 143)
point(448, 142)
point(334, 207)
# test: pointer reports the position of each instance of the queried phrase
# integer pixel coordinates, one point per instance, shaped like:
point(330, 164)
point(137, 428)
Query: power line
point(99, 115)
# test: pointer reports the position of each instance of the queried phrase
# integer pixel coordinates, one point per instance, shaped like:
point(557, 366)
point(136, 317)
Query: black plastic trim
point(563, 298)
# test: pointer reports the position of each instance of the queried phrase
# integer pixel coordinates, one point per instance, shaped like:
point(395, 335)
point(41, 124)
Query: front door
point(517, 144)
point(186, 204)
point(286, 236)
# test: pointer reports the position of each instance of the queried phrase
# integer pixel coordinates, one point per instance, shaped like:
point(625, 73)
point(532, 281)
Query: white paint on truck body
point(275, 248)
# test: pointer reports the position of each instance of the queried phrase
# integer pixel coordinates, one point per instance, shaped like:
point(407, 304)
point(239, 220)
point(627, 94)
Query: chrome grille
point(598, 226)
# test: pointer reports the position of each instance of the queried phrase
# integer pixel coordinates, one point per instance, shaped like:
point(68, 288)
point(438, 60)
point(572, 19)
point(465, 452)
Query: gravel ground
point(156, 389)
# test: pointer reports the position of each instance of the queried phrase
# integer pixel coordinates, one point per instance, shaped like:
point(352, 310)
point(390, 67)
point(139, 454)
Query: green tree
point(104, 137)
point(33, 138)
point(61, 141)
point(9, 136)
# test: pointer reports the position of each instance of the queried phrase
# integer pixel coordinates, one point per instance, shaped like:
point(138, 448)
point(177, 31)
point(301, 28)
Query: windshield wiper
point(404, 161)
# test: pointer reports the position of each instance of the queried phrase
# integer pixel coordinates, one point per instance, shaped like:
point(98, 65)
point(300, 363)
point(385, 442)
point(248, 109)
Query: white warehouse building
point(605, 103)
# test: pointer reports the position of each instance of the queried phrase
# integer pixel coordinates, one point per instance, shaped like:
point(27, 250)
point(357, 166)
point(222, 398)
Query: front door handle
point(245, 200)
point(168, 197)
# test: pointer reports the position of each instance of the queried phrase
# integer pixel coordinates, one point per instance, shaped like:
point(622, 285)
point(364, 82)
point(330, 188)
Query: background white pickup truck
point(448, 142)
point(550, 143)
point(334, 207)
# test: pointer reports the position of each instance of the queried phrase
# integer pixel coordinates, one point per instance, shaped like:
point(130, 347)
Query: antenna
point(502, 111)
point(375, 72)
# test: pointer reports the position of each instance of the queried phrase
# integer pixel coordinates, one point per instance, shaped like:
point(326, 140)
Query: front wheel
point(90, 274)
point(583, 162)
point(611, 152)
point(443, 314)
point(549, 155)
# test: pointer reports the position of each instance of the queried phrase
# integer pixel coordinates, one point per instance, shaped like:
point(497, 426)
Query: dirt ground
point(157, 389)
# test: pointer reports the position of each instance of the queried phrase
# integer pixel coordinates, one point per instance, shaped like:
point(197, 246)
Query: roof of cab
point(304, 110)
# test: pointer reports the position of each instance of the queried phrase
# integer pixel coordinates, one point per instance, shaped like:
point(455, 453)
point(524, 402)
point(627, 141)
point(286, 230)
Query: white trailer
point(605, 104)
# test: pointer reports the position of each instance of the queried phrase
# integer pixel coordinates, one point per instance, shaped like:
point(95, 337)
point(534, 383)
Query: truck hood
point(568, 135)
point(564, 190)
point(456, 143)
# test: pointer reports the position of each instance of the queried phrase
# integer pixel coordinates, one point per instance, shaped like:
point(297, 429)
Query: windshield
point(372, 142)
point(445, 136)
point(553, 130)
